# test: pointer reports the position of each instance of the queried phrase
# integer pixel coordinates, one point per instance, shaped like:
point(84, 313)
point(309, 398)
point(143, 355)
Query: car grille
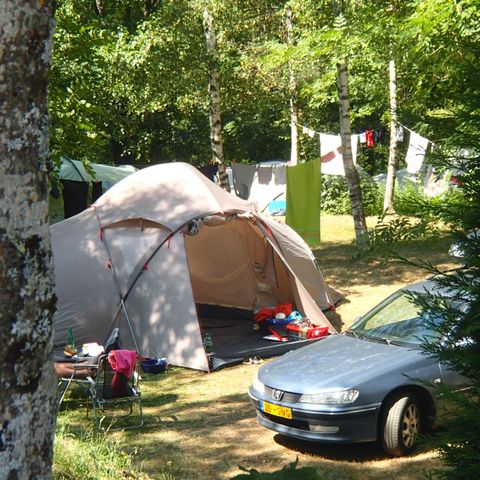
point(287, 396)
point(285, 421)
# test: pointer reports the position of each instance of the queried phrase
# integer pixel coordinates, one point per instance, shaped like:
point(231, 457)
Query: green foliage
point(391, 230)
point(90, 456)
point(336, 200)
point(115, 90)
point(289, 472)
point(459, 444)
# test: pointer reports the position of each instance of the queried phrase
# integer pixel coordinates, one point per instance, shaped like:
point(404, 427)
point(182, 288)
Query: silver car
point(372, 382)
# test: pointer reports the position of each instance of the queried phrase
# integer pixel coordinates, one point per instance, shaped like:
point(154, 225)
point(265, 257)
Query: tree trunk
point(351, 173)
point(27, 382)
point(392, 157)
point(293, 89)
point(99, 7)
point(215, 99)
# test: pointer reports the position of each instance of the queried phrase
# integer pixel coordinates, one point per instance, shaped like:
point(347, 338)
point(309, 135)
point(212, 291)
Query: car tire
point(401, 424)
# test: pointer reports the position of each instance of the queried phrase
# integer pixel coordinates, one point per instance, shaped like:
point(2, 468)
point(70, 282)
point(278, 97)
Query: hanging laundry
point(362, 137)
point(259, 184)
point(369, 138)
point(243, 176)
point(436, 183)
point(399, 133)
point(331, 153)
point(379, 135)
point(303, 200)
point(417, 148)
point(309, 132)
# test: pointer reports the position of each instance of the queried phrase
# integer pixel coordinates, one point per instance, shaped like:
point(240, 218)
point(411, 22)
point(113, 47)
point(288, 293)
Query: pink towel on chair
point(122, 361)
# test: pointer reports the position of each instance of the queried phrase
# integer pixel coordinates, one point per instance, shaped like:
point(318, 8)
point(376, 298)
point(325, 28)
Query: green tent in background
point(107, 174)
point(79, 188)
point(303, 200)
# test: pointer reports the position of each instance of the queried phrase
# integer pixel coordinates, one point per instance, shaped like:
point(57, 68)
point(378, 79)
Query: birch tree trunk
point(215, 114)
point(351, 173)
point(27, 383)
point(392, 157)
point(293, 89)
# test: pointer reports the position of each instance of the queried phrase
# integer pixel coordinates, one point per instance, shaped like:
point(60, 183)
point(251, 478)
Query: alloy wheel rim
point(410, 427)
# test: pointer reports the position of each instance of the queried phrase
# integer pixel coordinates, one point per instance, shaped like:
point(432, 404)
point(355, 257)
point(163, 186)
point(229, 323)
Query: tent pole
point(124, 308)
point(117, 285)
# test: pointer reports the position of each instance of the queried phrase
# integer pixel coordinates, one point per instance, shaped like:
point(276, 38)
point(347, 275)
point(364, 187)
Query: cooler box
point(297, 332)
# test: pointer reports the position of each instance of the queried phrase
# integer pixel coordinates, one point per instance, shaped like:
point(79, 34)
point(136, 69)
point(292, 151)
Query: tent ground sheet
point(234, 338)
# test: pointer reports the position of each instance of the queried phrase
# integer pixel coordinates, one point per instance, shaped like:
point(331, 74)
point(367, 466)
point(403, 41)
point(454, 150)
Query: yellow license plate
point(277, 410)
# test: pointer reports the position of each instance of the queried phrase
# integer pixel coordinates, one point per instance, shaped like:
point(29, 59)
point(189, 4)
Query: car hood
point(338, 361)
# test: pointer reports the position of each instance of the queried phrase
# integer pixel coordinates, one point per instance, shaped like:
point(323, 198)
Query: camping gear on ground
point(269, 315)
point(154, 365)
point(304, 331)
point(131, 261)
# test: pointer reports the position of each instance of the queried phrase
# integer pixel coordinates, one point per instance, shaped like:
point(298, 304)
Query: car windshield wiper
point(354, 333)
point(378, 339)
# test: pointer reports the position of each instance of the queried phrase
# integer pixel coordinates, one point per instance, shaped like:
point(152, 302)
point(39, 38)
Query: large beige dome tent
point(166, 255)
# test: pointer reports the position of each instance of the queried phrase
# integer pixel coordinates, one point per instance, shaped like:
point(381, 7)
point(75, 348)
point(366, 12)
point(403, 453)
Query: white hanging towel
point(331, 153)
point(417, 148)
point(308, 131)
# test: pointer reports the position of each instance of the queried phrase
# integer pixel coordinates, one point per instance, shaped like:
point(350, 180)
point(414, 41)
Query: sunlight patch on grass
point(216, 429)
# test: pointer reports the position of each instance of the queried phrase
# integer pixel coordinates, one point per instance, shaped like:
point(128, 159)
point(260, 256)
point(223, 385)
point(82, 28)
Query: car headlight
point(258, 385)
point(334, 397)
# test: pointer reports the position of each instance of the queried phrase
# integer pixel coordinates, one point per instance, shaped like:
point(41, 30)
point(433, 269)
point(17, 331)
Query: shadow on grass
point(361, 452)
point(342, 270)
point(204, 436)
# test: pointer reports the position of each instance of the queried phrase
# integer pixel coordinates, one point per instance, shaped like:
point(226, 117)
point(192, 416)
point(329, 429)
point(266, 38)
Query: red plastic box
point(296, 332)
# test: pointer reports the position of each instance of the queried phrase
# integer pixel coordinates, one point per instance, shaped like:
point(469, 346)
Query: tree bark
point(392, 157)
point(99, 7)
point(351, 173)
point(293, 89)
point(215, 114)
point(27, 382)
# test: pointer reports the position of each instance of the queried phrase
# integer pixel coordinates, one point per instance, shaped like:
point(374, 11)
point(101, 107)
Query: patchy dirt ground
point(216, 429)
point(202, 426)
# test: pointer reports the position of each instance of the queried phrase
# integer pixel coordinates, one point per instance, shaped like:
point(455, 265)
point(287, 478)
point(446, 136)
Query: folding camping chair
point(79, 369)
point(76, 371)
point(116, 386)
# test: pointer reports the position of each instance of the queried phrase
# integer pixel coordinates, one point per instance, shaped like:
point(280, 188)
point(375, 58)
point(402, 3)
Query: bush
point(336, 199)
point(409, 199)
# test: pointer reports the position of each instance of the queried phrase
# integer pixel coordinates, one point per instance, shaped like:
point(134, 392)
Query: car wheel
point(401, 425)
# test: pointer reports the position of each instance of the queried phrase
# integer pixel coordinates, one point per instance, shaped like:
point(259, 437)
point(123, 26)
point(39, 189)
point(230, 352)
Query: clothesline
point(331, 154)
point(311, 133)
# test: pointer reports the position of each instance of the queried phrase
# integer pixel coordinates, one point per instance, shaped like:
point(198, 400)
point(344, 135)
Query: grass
point(201, 426)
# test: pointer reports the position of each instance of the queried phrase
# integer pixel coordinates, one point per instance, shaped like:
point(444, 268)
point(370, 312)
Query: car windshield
point(399, 320)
